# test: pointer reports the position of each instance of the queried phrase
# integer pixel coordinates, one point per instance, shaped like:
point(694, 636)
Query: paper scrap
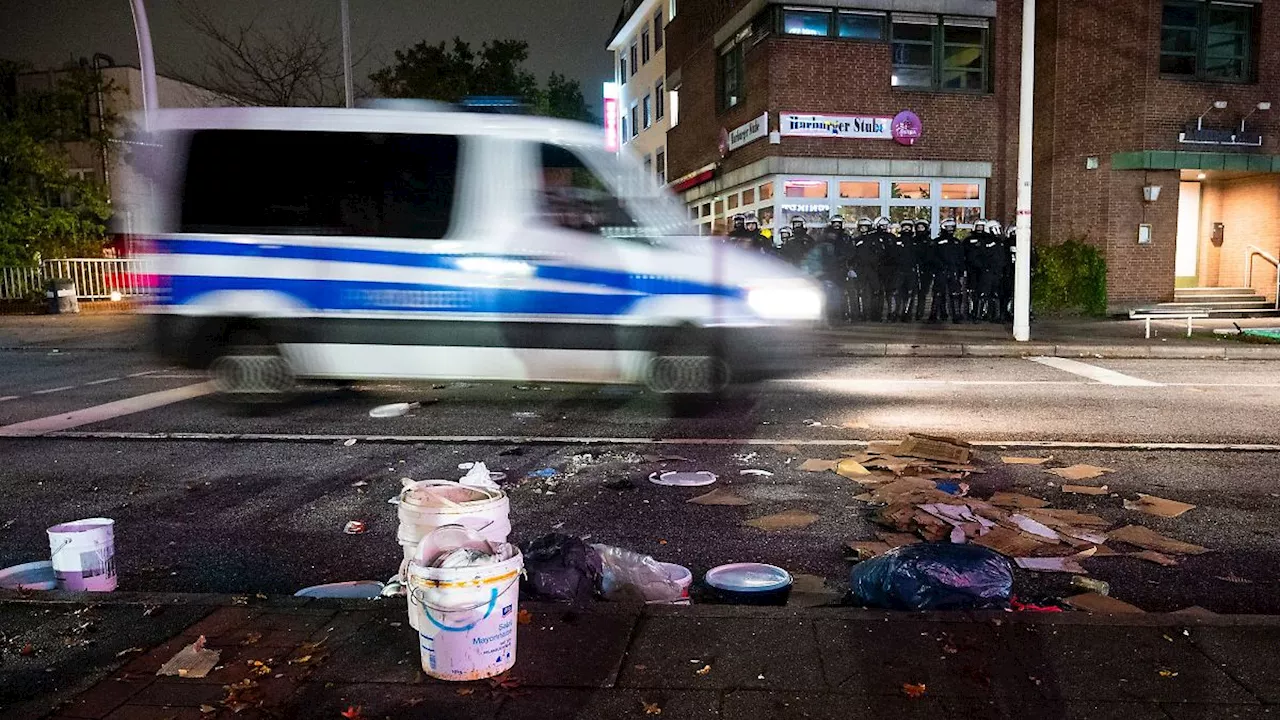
point(785, 520)
point(1148, 539)
point(867, 549)
point(1009, 543)
point(192, 661)
point(1085, 489)
point(1007, 460)
point(1095, 603)
point(1155, 557)
point(817, 465)
point(1061, 518)
point(719, 496)
point(1017, 501)
point(1158, 506)
point(756, 472)
point(883, 447)
point(897, 539)
point(850, 468)
point(1033, 527)
point(1051, 564)
point(1081, 472)
point(933, 447)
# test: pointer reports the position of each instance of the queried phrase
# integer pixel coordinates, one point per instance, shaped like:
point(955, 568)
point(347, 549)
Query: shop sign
point(863, 127)
point(807, 207)
point(749, 133)
point(906, 128)
point(693, 179)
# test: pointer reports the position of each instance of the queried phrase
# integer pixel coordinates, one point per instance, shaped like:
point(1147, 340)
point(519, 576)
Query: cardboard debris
point(1025, 460)
point(719, 496)
point(896, 539)
point(1081, 472)
point(816, 465)
point(1033, 528)
point(1095, 603)
point(1155, 557)
point(1085, 489)
point(867, 549)
point(851, 468)
point(1158, 506)
point(1017, 501)
point(893, 464)
point(1084, 536)
point(1010, 543)
point(786, 520)
point(192, 661)
point(1147, 539)
point(933, 447)
point(1051, 564)
point(1195, 611)
point(883, 447)
point(1057, 517)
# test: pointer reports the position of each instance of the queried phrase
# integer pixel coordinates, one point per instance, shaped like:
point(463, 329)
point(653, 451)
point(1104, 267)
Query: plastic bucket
point(429, 504)
point(680, 575)
point(466, 617)
point(84, 554)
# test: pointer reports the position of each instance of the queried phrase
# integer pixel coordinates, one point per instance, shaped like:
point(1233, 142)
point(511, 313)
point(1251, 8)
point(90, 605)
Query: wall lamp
point(1217, 105)
point(1150, 193)
point(1263, 106)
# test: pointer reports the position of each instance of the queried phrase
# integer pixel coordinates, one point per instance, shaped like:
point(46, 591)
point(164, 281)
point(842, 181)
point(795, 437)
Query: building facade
point(641, 104)
point(909, 109)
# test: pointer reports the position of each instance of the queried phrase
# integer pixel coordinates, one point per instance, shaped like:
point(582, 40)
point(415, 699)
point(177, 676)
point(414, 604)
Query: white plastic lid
point(748, 577)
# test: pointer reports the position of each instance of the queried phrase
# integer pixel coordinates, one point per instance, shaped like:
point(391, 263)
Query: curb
point(1115, 352)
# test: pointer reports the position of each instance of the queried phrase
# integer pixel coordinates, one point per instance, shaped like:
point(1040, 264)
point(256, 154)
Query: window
point(320, 183)
point(853, 213)
point(962, 215)
point(960, 191)
point(573, 196)
point(660, 100)
point(733, 201)
point(733, 77)
point(635, 59)
point(1207, 40)
point(622, 67)
point(749, 196)
point(860, 25)
point(862, 189)
point(644, 46)
point(657, 31)
point(648, 111)
point(766, 192)
point(648, 164)
point(909, 190)
point(805, 189)
point(675, 107)
point(625, 137)
point(940, 53)
point(796, 21)
point(706, 210)
point(660, 165)
point(911, 212)
point(635, 119)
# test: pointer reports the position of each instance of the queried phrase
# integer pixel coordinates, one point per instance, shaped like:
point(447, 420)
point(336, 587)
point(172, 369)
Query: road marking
point(9, 397)
point(884, 382)
point(107, 411)
point(53, 390)
point(1093, 372)
point(103, 381)
point(564, 440)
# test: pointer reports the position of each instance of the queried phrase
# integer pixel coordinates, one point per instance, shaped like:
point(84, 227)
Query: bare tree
point(296, 61)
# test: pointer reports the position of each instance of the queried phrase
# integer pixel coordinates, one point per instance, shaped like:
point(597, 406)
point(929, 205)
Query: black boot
point(979, 306)
point(957, 309)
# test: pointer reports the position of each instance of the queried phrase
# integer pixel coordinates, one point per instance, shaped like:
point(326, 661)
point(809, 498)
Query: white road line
point(564, 440)
point(53, 390)
point(886, 382)
point(103, 381)
point(99, 413)
point(9, 397)
point(1093, 372)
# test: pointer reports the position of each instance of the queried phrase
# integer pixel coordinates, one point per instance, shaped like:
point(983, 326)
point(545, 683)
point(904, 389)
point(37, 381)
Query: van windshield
point(654, 210)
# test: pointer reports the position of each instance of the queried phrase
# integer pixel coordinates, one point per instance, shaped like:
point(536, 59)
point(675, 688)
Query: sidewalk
point(608, 661)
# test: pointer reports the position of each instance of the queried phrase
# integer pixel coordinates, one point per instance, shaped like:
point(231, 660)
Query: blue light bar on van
point(495, 104)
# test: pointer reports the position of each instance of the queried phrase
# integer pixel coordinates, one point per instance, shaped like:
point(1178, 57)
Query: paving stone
point(177, 692)
point(540, 703)
point(1015, 708)
point(156, 712)
point(99, 700)
point(747, 653)
point(757, 705)
point(950, 659)
point(1196, 711)
point(563, 648)
point(379, 652)
point(1251, 655)
point(404, 702)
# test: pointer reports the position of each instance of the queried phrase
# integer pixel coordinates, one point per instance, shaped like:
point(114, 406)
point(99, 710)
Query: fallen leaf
point(353, 713)
point(1168, 674)
point(251, 638)
point(524, 617)
point(1081, 472)
point(786, 520)
point(704, 670)
point(27, 649)
point(1155, 557)
point(817, 465)
point(301, 661)
point(1025, 460)
point(651, 708)
point(719, 496)
point(208, 709)
point(661, 541)
point(465, 691)
point(1017, 501)
point(1160, 507)
point(1085, 489)
point(1147, 539)
point(1095, 603)
point(914, 691)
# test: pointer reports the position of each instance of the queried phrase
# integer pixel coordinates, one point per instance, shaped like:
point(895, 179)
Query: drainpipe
point(102, 60)
point(147, 59)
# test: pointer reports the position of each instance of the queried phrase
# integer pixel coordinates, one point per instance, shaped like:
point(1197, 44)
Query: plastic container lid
point(358, 589)
point(683, 479)
point(748, 577)
point(37, 575)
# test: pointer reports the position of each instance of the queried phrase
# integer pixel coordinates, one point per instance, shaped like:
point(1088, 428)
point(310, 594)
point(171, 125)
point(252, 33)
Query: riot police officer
point(800, 244)
point(948, 286)
point(898, 268)
point(926, 263)
point(992, 257)
point(880, 275)
point(862, 263)
point(1007, 278)
point(909, 274)
point(752, 238)
point(739, 229)
point(972, 261)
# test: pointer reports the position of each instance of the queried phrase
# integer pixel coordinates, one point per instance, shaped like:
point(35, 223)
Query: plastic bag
point(626, 573)
point(933, 576)
point(559, 567)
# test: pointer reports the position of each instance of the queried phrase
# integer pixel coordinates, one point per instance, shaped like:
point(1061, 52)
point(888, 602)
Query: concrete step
point(1258, 304)
point(1211, 290)
point(1215, 297)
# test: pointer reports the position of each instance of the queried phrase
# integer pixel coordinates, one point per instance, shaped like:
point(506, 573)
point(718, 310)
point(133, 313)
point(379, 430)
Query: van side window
point(574, 197)
point(275, 182)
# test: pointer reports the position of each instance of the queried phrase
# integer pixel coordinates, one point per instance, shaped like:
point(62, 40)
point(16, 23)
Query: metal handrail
point(1249, 252)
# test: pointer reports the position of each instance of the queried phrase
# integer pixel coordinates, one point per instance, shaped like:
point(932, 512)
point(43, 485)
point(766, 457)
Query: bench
point(1148, 316)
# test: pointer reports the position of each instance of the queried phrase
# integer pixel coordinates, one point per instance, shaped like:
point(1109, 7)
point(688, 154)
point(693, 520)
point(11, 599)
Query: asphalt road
point(209, 497)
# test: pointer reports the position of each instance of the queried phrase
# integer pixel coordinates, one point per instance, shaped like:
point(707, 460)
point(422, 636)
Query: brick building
point(909, 109)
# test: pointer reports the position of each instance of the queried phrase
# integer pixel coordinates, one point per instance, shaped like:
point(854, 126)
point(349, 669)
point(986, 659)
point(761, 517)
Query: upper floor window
point(1207, 40)
point(635, 58)
point(940, 53)
point(648, 111)
point(658, 27)
point(797, 21)
point(821, 22)
point(622, 67)
point(644, 46)
point(659, 100)
point(732, 73)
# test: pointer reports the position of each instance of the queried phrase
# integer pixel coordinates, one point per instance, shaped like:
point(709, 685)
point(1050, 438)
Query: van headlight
point(789, 301)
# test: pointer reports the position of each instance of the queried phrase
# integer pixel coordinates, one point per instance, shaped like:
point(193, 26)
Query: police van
point(294, 244)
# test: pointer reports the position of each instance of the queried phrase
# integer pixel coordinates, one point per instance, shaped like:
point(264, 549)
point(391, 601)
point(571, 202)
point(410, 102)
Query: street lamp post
point(146, 59)
point(346, 55)
point(1022, 267)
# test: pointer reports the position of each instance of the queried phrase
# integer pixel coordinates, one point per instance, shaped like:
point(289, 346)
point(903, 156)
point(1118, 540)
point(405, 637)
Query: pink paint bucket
point(84, 554)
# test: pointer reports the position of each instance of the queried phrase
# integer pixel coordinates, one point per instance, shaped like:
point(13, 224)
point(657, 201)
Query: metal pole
point(346, 55)
point(1022, 268)
point(147, 59)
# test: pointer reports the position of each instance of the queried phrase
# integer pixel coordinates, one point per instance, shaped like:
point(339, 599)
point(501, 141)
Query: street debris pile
point(920, 491)
point(564, 568)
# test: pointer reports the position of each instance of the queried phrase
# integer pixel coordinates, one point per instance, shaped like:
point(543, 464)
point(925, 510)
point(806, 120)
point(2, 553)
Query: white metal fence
point(95, 278)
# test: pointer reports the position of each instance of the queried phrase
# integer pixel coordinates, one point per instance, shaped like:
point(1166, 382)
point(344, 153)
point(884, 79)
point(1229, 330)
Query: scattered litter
point(626, 573)
point(816, 465)
point(1233, 578)
point(651, 708)
point(355, 527)
point(1025, 460)
point(524, 415)
point(786, 520)
point(750, 583)
point(1049, 564)
point(360, 483)
point(867, 549)
point(704, 670)
point(561, 568)
point(666, 458)
point(746, 457)
point(1085, 489)
point(1147, 539)
point(357, 589)
point(913, 690)
point(883, 447)
point(1166, 673)
point(1101, 587)
point(478, 476)
point(544, 473)
point(393, 410)
point(1019, 606)
point(349, 442)
point(1155, 557)
point(128, 651)
point(1010, 543)
point(896, 539)
point(850, 468)
point(958, 489)
point(932, 447)
point(683, 479)
point(1080, 472)
point(933, 576)
point(1017, 501)
point(1034, 527)
point(192, 661)
point(755, 472)
point(719, 496)
point(1095, 603)
point(1158, 506)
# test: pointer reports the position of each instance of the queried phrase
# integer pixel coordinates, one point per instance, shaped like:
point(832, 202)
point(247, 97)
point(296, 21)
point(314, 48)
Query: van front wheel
point(690, 372)
point(250, 369)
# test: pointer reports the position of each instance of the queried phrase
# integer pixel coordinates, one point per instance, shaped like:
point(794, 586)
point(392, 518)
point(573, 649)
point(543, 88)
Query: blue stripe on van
point(649, 284)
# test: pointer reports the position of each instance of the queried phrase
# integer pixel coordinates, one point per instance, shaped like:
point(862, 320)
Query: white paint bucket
point(84, 554)
point(680, 575)
point(429, 504)
point(466, 617)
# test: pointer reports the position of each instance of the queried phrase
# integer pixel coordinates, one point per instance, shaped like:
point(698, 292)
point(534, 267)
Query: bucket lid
point(358, 589)
point(36, 575)
point(683, 479)
point(76, 526)
point(748, 577)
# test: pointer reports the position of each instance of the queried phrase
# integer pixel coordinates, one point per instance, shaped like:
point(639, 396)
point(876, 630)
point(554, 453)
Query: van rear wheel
point(250, 369)
point(690, 373)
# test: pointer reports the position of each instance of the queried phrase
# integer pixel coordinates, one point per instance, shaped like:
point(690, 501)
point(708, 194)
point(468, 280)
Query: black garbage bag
point(559, 567)
point(933, 576)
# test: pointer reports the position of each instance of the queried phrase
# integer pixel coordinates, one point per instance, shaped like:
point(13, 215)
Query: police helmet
point(750, 219)
point(949, 224)
point(882, 223)
point(797, 221)
point(895, 228)
point(980, 226)
point(837, 220)
point(784, 234)
point(993, 227)
point(922, 225)
point(864, 223)
point(739, 220)
point(1011, 230)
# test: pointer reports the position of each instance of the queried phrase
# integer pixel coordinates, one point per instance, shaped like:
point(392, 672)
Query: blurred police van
point(293, 244)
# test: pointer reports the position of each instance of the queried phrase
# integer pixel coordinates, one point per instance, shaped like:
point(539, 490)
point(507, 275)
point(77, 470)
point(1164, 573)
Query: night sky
point(565, 36)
